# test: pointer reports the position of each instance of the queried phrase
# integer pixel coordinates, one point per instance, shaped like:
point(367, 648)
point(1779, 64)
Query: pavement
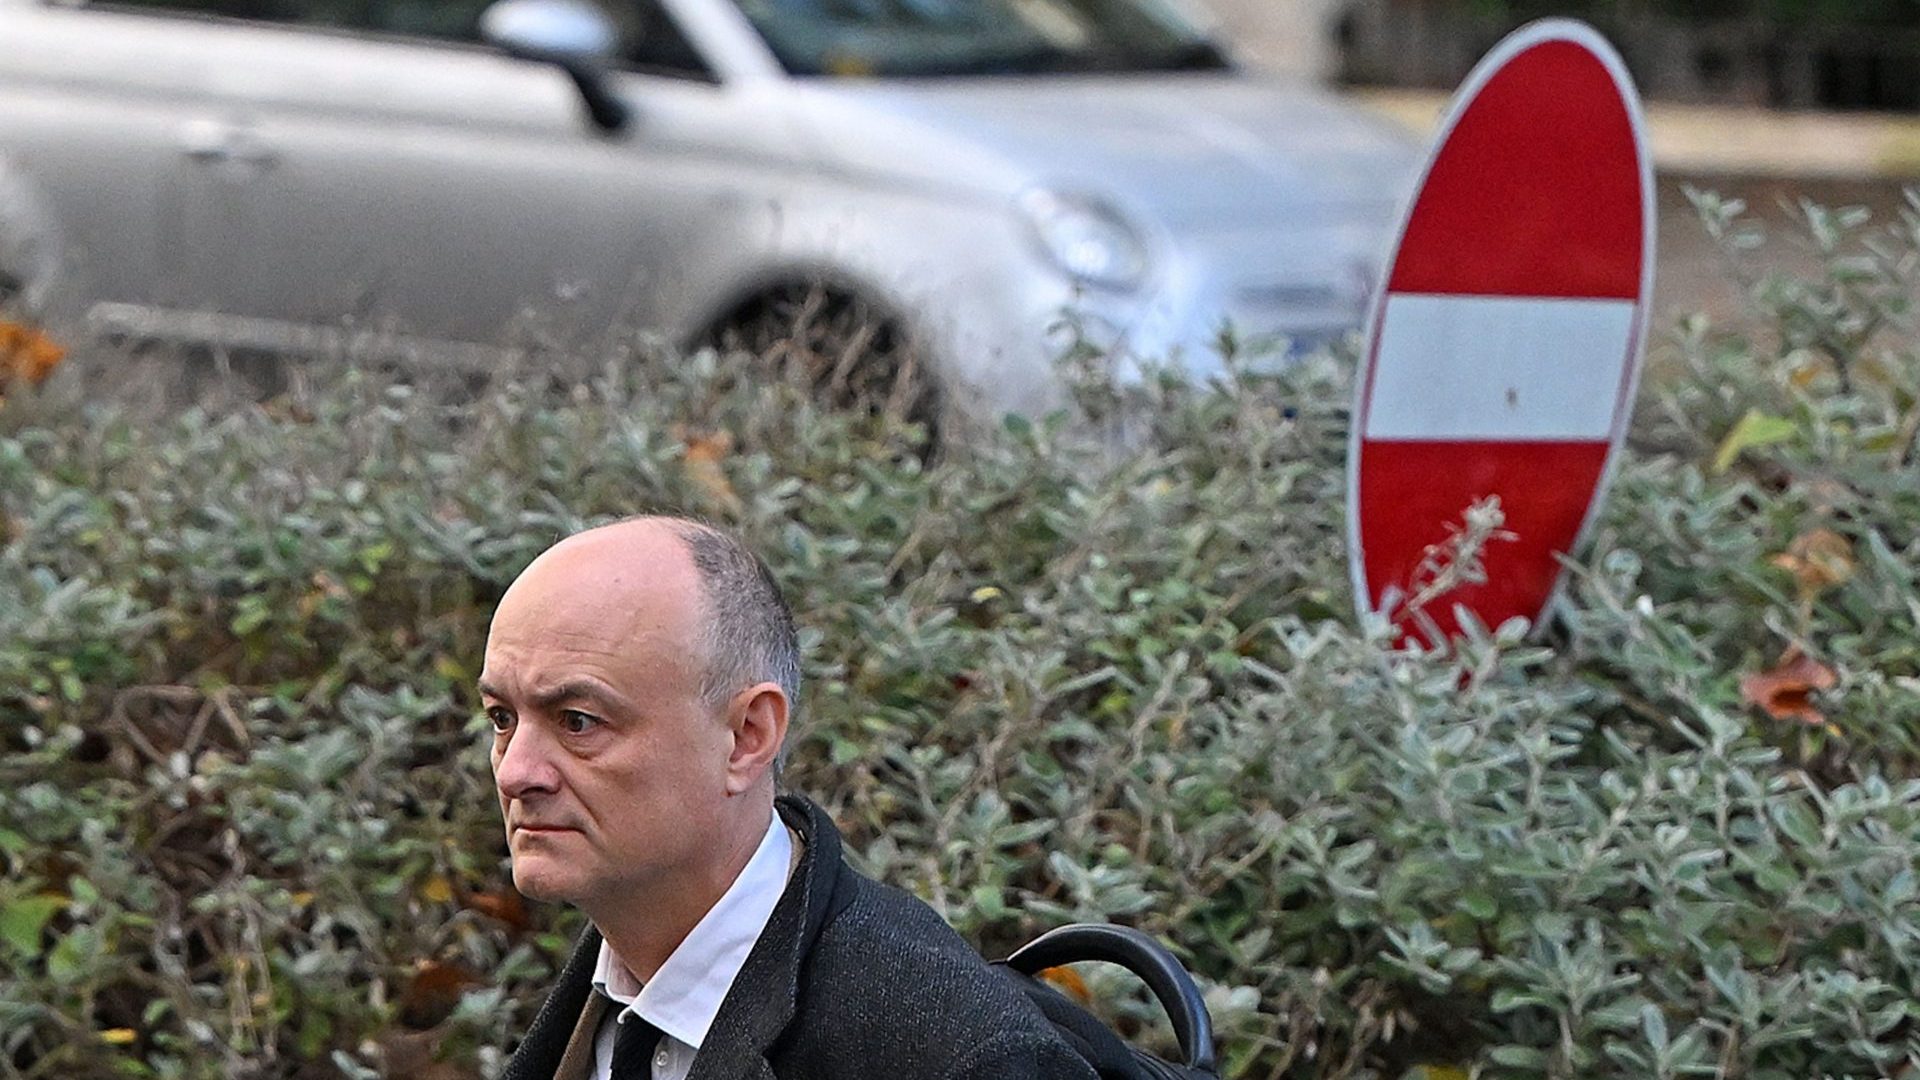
point(1717, 140)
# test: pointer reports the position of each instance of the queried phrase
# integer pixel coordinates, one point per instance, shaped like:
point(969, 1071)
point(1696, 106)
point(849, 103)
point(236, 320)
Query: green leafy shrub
point(247, 827)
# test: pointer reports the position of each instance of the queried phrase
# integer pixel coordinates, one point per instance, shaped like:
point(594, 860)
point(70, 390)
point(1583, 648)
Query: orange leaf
point(1786, 691)
point(1068, 981)
point(702, 462)
point(42, 356)
point(26, 353)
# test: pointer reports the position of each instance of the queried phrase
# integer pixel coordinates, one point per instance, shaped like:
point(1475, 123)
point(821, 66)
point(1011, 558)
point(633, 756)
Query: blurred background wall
point(1784, 54)
point(1296, 37)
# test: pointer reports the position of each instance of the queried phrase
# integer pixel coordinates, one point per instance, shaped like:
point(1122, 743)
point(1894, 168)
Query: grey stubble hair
point(747, 634)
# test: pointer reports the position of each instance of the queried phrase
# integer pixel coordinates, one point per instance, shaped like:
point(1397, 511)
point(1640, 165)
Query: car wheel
point(846, 350)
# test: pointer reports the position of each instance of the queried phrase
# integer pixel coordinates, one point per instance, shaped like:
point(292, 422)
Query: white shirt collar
point(684, 996)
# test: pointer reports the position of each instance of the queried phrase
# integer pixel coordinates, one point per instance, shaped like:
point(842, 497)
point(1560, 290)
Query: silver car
point(286, 175)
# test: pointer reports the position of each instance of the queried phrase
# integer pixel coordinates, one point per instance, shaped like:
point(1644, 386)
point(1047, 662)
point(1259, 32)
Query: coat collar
point(766, 993)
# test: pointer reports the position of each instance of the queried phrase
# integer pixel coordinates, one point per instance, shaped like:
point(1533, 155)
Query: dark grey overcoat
point(851, 978)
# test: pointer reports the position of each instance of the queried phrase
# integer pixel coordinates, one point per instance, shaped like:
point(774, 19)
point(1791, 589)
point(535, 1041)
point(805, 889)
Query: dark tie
point(634, 1041)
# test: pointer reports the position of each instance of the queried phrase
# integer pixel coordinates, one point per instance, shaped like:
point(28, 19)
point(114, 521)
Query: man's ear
point(758, 719)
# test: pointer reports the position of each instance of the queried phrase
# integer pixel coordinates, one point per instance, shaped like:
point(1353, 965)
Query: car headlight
point(1086, 238)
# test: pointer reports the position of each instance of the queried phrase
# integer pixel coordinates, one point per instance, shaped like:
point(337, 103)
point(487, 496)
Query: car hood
point(1191, 150)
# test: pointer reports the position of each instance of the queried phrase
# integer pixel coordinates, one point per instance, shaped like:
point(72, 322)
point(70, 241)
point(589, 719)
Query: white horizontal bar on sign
point(1498, 367)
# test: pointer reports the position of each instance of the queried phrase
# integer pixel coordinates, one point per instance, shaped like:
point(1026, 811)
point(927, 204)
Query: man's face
point(606, 762)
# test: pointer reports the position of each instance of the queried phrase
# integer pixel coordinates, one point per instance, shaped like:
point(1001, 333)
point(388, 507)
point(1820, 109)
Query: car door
point(356, 173)
point(91, 109)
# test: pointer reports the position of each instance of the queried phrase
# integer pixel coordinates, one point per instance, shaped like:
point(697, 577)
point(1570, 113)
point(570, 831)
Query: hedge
point(1053, 673)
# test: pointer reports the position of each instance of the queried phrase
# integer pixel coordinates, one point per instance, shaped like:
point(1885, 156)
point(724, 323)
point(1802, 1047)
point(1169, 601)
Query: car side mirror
point(575, 35)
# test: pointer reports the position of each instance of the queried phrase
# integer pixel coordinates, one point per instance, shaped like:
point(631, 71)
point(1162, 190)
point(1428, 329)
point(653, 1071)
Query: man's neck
point(644, 928)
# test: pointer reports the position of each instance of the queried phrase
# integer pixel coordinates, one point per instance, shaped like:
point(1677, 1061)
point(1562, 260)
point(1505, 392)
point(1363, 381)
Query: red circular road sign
point(1505, 345)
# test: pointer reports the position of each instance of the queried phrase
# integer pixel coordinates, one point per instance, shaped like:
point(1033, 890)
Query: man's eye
point(501, 718)
point(577, 722)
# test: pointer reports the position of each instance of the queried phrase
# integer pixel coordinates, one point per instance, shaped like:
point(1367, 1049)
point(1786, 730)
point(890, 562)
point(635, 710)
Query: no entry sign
point(1505, 345)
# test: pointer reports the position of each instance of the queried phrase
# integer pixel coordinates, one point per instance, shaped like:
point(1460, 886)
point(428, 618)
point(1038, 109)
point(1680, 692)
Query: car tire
point(849, 352)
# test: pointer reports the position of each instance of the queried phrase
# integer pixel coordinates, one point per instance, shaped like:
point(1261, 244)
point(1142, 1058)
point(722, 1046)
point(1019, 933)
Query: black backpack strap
point(1139, 953)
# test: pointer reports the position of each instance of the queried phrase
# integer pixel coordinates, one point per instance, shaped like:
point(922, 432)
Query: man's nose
point(526, 765)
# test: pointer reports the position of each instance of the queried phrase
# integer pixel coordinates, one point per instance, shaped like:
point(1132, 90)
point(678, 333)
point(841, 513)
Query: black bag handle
point(1139, 953)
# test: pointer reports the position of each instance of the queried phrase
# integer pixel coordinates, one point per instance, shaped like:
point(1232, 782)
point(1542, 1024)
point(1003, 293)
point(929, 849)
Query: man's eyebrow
point(570, 690)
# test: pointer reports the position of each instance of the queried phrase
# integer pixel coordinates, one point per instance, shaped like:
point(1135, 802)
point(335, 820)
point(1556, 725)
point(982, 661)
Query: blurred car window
point(979, 37)
point(456, 20)
point(655, 44)
point(652, 40)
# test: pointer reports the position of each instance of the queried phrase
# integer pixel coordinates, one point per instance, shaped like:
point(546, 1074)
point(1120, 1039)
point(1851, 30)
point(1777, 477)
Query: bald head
point(655, 575)
point(633, 582)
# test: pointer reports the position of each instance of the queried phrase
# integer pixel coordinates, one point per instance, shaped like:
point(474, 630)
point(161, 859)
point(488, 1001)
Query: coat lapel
point(538, 1057)
point(766, 992)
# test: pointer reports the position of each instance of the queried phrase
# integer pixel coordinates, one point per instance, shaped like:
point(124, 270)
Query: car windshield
point(979, 37)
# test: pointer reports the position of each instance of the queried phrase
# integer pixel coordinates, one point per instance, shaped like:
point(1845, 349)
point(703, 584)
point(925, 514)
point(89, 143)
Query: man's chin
point(538, 879)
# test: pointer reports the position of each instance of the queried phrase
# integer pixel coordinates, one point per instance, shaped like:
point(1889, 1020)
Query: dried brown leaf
point(703, 461)
point(505, 905)
point(1786, 690)
point(433, 992)
point(1818, 560)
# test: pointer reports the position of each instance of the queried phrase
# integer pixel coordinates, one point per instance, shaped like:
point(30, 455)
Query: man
point(640, 678)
